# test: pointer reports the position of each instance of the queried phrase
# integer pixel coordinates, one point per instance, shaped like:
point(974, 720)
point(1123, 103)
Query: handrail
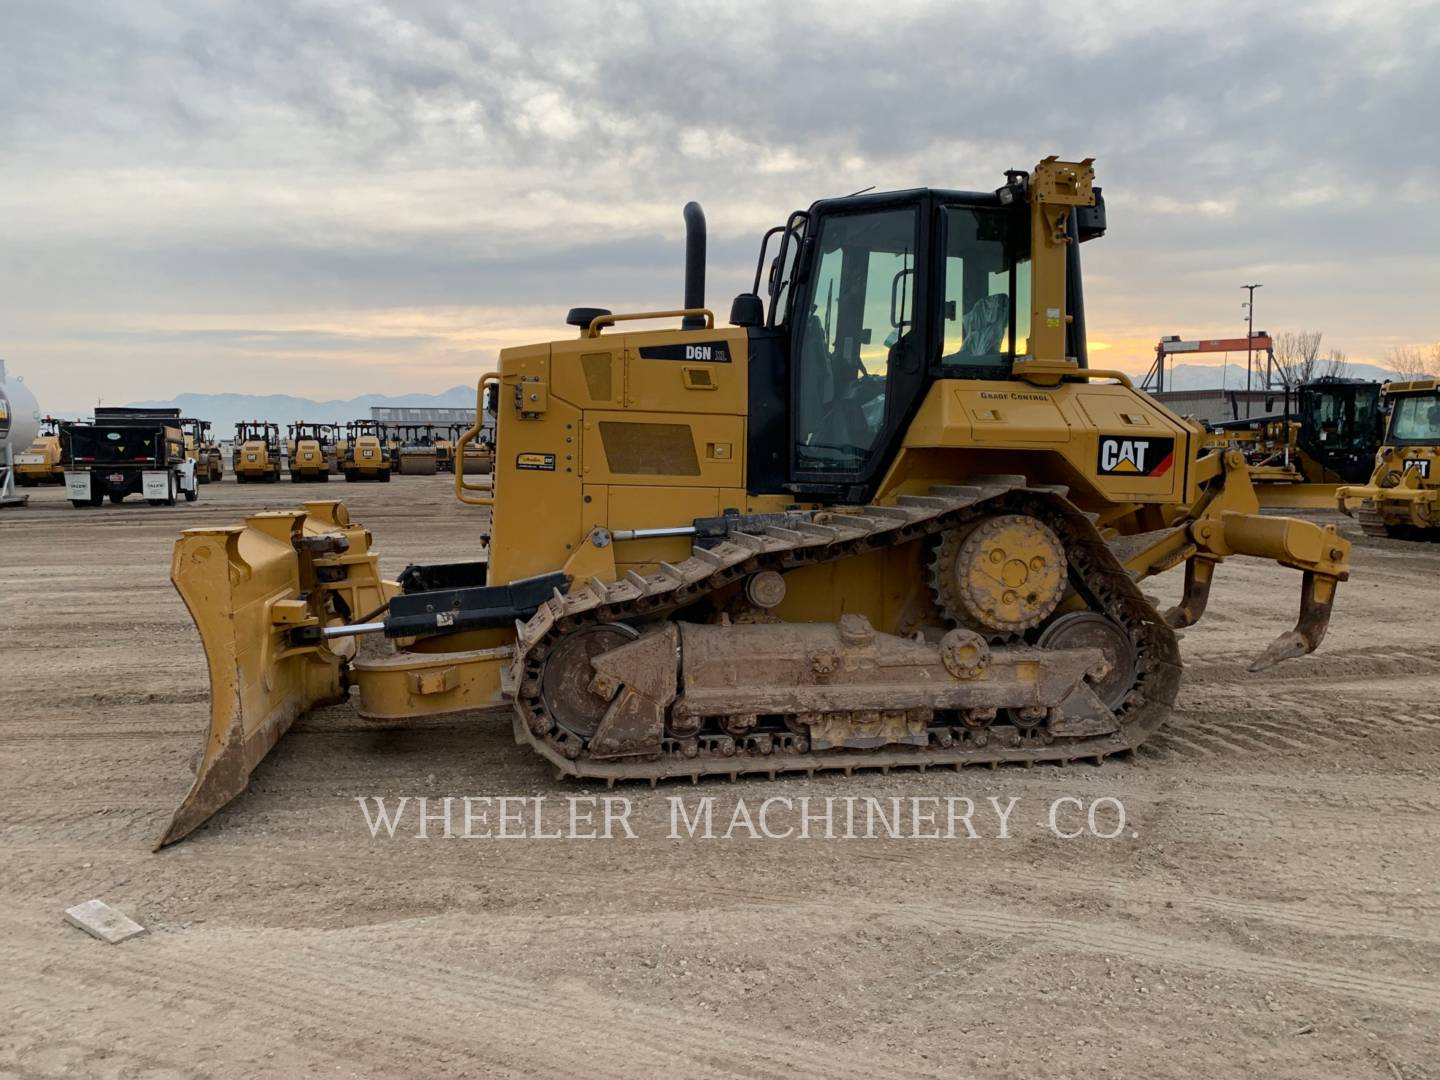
point(461, 487)
point(609, 320)
point(1054, 372)
point(1103, 373)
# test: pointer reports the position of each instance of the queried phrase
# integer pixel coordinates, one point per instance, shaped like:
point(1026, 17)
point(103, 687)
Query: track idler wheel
point(1091, 630)
point(565, 683)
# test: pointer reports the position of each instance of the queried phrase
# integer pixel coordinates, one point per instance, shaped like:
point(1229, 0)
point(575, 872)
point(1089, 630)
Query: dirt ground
point(1270, 908)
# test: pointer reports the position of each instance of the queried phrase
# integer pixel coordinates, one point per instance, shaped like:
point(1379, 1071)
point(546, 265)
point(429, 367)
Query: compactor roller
point(889, 516)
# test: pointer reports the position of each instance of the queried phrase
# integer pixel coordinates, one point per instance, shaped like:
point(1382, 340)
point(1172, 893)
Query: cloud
point(276, 166)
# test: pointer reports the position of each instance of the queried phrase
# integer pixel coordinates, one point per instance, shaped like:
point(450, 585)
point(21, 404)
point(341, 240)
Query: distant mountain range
point(1232, 376)
point(226, 410)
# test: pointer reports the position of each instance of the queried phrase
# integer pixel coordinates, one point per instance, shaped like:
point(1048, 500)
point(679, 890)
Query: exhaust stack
point(694, 265)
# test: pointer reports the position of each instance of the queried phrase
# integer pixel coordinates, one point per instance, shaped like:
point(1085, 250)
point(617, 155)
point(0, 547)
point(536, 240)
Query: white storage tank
point(19, 414)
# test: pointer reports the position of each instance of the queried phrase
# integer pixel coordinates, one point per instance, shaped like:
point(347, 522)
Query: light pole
point(1249, 339)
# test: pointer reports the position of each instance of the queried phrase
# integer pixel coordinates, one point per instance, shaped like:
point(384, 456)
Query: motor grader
point(1402, 499)
point(1326, 437)
point(887, 517)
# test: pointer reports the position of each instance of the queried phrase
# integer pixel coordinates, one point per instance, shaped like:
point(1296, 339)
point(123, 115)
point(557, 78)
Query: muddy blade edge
point(231, 580)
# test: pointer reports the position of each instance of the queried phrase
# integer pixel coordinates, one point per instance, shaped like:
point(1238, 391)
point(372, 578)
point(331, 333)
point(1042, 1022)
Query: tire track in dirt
point(331, 981)
point(1106, 939)
point(103, 1051)
point(1223, 668)
point(1355, 923)
point(243, 1007)
point(1280, 728)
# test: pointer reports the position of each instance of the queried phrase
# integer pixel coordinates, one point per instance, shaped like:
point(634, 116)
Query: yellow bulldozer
point(888, 517)
point(257, 452)
point(1402, 499)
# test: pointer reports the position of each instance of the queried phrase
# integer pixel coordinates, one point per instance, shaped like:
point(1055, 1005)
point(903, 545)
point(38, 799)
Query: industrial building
point(389, 414)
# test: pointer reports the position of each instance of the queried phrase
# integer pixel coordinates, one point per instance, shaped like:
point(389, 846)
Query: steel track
point(840, 533)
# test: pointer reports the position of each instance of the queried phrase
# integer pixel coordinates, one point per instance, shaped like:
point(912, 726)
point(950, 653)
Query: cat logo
point(1420, 465)
point(1124, 456)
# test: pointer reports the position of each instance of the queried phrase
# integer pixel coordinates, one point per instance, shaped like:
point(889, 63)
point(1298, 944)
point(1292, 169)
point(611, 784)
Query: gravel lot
point(1270, 906)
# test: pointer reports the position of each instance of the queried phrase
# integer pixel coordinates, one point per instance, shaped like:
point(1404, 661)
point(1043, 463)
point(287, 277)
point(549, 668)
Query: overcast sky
point(336, 198)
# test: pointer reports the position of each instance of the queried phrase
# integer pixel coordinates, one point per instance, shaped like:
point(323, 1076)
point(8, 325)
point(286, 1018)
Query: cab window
point(1416, 420)
point(985, 305)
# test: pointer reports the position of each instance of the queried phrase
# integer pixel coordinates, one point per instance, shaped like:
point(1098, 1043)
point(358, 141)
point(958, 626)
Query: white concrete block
point(99, 919)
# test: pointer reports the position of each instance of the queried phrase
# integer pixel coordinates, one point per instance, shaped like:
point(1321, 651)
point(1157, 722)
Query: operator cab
point(1415, 415)
point(1340, 424)
point(872, 298)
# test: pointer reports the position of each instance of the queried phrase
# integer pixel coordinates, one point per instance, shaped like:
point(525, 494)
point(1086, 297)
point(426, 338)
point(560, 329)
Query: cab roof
point(1412, 386)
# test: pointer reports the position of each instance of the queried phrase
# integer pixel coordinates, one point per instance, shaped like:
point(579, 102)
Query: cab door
point(859, 346)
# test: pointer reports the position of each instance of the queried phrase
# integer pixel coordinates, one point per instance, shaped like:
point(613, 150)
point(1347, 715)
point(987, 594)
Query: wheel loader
point(1402, 499)
point(257, 452)
point(365, 455)
point(889, 516)
point(312, 451)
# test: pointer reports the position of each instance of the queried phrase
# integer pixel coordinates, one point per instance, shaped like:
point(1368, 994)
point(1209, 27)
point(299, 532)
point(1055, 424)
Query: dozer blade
point(247, 588)
point(1296, 496)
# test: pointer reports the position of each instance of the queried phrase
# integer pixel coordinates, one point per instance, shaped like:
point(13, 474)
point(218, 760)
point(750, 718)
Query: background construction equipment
point(128, 451)
point(1402, 499)
point(365, 455)
point(257, 452)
